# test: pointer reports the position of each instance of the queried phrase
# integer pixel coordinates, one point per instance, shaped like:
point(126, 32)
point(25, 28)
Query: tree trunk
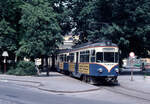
point(53, 62)
point(0, 64)
point(32, 59)
point(46, 65)
point(42, 62)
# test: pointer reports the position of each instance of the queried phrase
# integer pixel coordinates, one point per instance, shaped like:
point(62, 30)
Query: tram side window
point(65, 58)
point(87, 55)
point(92, 55)
point(99, 57)
point(71, 57)
point(116, 57)
point(81, 57)
point(68, 58)
point(84, 56)
point(61, 58)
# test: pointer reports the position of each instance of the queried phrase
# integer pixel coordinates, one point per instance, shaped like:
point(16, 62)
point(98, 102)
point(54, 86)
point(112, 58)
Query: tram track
point(131, 89)
point(129, 92)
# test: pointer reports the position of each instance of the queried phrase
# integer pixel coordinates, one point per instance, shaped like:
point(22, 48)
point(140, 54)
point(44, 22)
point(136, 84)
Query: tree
point(125, 22)
point(78, 24)
point(7, 36)
point(63, 14)
point(41, 30)
point(10, 29)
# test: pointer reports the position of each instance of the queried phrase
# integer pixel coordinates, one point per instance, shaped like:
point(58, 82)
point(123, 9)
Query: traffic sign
point(131, 54)
point(5, 54)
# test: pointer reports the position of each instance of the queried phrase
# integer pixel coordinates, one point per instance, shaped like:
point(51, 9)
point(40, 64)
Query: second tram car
point(92, 61)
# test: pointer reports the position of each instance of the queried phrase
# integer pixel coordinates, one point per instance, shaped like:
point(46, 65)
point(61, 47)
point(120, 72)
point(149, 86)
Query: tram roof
point(90, 44)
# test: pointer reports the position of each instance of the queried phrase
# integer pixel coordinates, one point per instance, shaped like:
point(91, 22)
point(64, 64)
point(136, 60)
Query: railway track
point(134, 93)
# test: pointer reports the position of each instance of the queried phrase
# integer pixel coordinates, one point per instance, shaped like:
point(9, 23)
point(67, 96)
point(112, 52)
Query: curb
point(19, 80)
point(59, 91)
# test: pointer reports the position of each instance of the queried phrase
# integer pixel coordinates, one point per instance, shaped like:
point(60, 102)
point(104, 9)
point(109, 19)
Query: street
point(26, 90)
point(14, 94)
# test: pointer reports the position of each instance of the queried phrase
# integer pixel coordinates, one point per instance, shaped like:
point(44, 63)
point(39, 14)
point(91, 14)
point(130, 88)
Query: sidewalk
point(139, 83)
point(56, 82)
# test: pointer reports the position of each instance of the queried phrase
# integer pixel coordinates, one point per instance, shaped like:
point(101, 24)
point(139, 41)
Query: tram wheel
point(70, 74)
point(90, 80)
point(115, 81)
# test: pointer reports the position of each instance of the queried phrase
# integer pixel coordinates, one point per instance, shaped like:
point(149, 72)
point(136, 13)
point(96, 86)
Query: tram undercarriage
point(99, 80)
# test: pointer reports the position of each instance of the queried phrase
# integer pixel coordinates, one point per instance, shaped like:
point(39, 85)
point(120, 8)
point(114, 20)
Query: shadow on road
point(50, 75)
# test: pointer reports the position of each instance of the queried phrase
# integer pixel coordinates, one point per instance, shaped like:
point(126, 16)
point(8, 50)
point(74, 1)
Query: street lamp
point(5, 54)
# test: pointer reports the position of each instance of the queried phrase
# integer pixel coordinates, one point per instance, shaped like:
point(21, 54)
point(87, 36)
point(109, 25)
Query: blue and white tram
point(91, 62)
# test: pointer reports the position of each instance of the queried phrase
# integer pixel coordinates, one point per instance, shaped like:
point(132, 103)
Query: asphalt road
point(15, 94)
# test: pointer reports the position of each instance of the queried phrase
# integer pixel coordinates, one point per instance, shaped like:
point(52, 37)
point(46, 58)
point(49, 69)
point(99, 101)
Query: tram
point(92, 62)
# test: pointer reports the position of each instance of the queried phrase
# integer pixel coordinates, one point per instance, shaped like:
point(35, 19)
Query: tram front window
point(107, 57)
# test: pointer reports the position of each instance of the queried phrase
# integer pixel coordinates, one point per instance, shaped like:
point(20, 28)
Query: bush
point(23, 68)
point(11, 70)
point(0, 72)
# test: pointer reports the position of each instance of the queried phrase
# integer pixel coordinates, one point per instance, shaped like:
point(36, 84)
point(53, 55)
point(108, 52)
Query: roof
point(90, 44)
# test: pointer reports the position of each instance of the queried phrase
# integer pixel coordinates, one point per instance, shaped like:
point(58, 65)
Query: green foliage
point(41, 29)
point(7, 36)
point(34, 28)
point(23, 68)
point(9, 27)
point(29, 27)
point(125, 22)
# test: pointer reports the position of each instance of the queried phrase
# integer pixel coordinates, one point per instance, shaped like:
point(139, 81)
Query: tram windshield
point(107, 57)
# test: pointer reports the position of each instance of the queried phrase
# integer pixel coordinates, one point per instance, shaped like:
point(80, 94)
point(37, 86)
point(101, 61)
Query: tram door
point(77, 57)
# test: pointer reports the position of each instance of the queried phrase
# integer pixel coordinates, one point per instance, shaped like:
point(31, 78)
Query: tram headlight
point(117, 70)
point(100, 70)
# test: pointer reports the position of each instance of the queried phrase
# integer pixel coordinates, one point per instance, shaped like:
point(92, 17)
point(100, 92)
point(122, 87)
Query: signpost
point(132, 56)
point(5, 54)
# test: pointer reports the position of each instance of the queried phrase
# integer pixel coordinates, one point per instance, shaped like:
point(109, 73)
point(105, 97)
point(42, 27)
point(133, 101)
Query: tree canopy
point(125, 22)
point(41, 29)
point(34, 28)
point(29, 28)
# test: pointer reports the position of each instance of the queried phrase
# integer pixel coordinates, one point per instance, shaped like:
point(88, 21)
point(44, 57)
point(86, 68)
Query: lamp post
point(5, 54)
